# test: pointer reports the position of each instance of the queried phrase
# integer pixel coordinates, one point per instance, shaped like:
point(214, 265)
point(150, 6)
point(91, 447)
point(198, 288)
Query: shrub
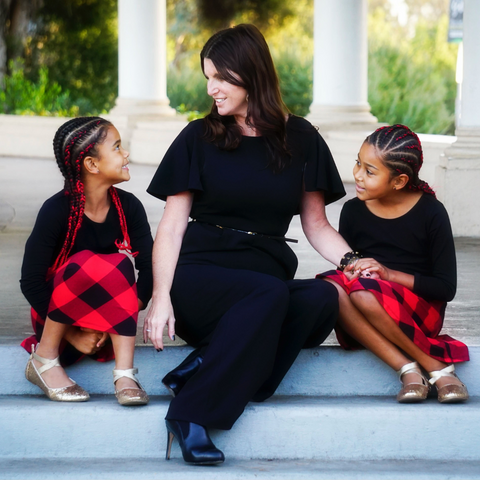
point(22, 96)
point(187, 90)
point(296, 79)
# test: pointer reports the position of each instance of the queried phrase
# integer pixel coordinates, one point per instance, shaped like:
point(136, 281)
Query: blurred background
point(59, 57)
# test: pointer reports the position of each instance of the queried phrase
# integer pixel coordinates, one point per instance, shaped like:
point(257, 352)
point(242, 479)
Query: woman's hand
point(159, 315)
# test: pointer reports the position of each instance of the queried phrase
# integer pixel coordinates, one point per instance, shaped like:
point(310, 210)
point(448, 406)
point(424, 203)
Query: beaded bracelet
point(348, 258)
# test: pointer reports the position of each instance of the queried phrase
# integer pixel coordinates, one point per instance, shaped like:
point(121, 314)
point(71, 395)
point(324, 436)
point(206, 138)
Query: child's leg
point(124, 348)
point(376, 315)
point(357, 326)
point(52, 335)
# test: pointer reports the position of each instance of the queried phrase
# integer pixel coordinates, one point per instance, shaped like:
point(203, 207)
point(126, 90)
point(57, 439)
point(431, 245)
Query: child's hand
point(370, 268)
point(86, 340)
point(349, 271)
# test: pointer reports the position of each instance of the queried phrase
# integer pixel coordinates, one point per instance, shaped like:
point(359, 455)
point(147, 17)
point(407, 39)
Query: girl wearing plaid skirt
point(84, 296)
point(394, 286)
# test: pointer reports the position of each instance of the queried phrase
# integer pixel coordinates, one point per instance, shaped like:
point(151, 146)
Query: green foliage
point(187, 90)
point(77, 42)
point(219, 14)
point(22, 96)
point(412, 80)
point(295, 83)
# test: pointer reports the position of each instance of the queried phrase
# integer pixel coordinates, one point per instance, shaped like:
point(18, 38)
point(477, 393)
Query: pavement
point(25, 183)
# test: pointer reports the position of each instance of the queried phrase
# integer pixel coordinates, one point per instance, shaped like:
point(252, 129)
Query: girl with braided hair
point(393, 289)
point(82, 290)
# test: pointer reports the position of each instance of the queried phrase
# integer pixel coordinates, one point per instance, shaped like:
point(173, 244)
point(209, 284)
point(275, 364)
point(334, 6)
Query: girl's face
point(230, 99)
point(112, 160)
point(372, 177)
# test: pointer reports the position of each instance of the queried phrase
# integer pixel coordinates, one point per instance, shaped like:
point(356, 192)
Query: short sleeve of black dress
point(320, 172)
point(180, 169)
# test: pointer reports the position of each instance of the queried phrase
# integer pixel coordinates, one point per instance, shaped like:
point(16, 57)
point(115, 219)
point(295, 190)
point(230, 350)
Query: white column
point(340, 67)
point(142, 59)
point(458, 176)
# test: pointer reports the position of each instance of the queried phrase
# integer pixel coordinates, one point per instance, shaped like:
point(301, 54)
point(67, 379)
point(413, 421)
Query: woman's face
point(230, 99)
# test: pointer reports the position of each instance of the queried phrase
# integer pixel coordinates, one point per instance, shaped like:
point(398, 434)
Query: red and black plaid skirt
point(95, 291)
point(420, 320)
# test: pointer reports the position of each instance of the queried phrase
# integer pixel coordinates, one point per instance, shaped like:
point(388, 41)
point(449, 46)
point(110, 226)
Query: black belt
point(285, 239)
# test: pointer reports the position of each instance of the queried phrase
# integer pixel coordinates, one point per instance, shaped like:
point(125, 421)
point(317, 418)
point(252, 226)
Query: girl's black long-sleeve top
point(419, 243)
point(48, 235)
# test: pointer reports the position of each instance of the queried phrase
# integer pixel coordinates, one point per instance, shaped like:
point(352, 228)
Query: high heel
point(176, 379)
point(197, 446)
point(412, 392)
point(452, 392)
point(130, 396)
point(70, 393)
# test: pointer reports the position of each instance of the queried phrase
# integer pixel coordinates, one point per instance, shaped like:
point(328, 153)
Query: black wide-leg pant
point(250, 328)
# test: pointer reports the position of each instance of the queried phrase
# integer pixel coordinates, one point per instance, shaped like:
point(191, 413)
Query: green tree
point(77, 41)
point(412, 73)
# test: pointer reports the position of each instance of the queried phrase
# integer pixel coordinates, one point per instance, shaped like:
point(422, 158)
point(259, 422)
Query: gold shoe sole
point(413, 393)
point(71, 393)
point(132, 396)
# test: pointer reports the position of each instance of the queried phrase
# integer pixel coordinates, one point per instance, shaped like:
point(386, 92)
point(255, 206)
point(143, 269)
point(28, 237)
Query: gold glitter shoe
point(452, 392)
point(71, 393)
point(130, 396)
point(412, 392)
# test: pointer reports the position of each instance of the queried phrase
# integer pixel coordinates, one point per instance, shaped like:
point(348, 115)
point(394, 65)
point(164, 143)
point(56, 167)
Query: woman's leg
point(237, 315)
point(311, 316)
point(376, 315)
point(48, 348)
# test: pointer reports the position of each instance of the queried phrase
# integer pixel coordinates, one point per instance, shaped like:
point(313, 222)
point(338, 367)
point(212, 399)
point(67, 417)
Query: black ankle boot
point(197, 447)
point(176, 379)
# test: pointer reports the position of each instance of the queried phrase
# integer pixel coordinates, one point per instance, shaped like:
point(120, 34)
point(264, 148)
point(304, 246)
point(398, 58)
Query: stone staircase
point(334, 417)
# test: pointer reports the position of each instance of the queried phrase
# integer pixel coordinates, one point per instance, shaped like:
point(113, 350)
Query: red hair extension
point(125, 244)
point(73, 141)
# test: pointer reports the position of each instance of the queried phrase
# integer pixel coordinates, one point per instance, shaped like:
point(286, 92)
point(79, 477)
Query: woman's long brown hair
point(242, 57)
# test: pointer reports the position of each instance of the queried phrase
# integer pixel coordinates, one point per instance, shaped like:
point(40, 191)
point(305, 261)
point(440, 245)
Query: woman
point(226, 278)
point(82, 290)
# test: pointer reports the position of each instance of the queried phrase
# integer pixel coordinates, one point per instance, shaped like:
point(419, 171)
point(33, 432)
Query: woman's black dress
point(233, 293)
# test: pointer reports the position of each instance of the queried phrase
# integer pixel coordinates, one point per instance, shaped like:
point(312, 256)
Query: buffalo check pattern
point(420, 320)
point(96, 291)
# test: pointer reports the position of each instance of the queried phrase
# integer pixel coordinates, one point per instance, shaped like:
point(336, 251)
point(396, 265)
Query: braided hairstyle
point(73, 141)
point(401, 152)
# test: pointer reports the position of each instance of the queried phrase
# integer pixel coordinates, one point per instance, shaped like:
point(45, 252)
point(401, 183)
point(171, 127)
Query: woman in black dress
point(224, 281)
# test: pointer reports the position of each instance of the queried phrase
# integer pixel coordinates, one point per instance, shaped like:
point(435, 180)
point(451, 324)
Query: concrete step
point(322, 371)
point(158, 469)
point(286, 428)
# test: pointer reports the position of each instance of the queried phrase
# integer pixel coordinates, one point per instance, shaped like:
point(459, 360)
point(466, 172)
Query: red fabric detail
point(96, 291)
point(420, 320)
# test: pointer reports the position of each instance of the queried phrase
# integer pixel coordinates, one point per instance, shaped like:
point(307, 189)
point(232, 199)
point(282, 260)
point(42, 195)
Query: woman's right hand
point(160, 314)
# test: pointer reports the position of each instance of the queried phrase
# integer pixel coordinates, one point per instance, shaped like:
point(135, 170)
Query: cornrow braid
point(73, 141)
point(401, 151)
